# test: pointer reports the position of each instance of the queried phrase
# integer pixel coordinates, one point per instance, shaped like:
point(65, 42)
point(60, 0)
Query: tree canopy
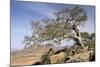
point(64, 25)
point(85, 35)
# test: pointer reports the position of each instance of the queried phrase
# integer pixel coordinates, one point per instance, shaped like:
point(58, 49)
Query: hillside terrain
point(44, 55)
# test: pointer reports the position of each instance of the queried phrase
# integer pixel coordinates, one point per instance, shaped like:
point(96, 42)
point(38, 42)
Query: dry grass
point(27, 57)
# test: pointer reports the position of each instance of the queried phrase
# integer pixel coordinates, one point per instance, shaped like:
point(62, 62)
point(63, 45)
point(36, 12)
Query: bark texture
point(77, 37)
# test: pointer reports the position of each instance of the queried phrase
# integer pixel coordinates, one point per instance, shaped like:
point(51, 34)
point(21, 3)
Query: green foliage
point(91, 44)
point(67, 51)
point(61, 25)
point(92, 36)
point(85, 35)
point(45, 57)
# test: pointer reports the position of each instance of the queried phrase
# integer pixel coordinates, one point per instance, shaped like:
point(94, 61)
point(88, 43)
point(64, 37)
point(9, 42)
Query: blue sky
point(23, 13)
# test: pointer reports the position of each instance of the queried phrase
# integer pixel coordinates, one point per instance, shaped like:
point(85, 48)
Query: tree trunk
point(26, 45)
point(77, 37)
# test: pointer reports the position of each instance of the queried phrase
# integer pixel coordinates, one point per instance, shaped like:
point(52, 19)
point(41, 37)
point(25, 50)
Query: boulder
point(58, 58)
point(84, 56)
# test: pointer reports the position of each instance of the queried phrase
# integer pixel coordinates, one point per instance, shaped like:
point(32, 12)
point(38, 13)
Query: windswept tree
point(65, 25)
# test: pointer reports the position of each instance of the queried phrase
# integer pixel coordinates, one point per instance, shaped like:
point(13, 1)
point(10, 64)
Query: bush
point(91, 44)
point(45, 57)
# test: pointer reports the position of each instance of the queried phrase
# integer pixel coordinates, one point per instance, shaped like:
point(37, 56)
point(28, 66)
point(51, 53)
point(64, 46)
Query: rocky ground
point(52, 56)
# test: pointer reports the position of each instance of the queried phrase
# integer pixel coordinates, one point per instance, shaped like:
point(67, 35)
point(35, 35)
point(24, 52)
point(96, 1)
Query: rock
point(37, 63)
point(92, 56)
point(58, 58)
point(84, 56)
point(85, 49)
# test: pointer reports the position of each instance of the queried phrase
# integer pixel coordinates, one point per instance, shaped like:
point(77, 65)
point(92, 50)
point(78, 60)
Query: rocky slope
point(52, 56)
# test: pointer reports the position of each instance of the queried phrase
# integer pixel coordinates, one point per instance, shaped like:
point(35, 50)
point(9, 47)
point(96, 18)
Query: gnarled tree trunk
point(77, 37)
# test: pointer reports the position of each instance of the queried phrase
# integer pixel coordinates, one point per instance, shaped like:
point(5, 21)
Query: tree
point(85, 35)
point(65, 25)
point(92, 36)
point(27, 41)
point(73, 18)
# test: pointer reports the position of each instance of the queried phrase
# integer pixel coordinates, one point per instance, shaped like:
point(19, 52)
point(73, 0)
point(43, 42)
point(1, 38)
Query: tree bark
point(77, 37)
point(26, 46)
